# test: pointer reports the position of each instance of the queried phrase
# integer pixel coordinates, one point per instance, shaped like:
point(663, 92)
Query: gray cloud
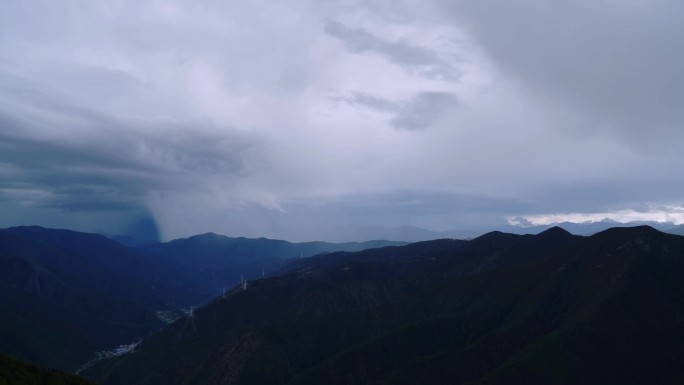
point(617, 62)
point(374, 102)
point(217, 116)
point(422, 60)
point(115, 165)
point(422, 110)
point(417, 113)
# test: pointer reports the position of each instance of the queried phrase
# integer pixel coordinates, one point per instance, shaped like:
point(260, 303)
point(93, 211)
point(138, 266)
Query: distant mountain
point(587, 228)
point(403, 233)
point(65, 295)
point(678, 230)
point(128, 240)
point(216, 261)
point(15, 372)
point(383, 255)
point(417, 234)
point(102, 264)
point(499, 309)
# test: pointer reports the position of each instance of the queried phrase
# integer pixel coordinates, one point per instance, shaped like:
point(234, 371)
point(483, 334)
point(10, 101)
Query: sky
point(308, 119)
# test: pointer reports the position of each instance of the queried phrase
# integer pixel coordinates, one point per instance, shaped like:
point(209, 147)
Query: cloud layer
point(285, 119)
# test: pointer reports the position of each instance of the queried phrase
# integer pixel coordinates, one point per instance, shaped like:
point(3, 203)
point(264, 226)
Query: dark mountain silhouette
point(65, 295)
point(54, 319)
point(101, 263)
point(587, 228)
point(500, 309)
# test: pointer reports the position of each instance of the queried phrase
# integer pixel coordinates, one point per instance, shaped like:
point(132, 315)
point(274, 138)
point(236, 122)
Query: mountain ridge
point(67, 295)
point(483, 312)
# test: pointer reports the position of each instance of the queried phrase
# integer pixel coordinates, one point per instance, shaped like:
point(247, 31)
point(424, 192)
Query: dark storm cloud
point(417, 113)
point(112, 164)
point(422, 60)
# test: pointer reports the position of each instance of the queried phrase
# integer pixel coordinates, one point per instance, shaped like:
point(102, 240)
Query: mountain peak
point(555, 231)
point(632, 231)
point(494, 235)
point(209, 234)
point(206, 236)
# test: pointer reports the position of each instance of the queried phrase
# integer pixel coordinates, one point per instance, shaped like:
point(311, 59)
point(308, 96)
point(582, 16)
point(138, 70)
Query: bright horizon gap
point(674, 216)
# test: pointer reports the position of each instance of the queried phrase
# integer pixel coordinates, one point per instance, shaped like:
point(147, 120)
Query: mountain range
point(499, 309)
point(66, 295)
point(146, 233)
point(417, 234)
point(408, 233)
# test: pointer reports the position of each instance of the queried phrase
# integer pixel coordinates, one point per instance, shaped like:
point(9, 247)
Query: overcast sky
point(295, 119)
